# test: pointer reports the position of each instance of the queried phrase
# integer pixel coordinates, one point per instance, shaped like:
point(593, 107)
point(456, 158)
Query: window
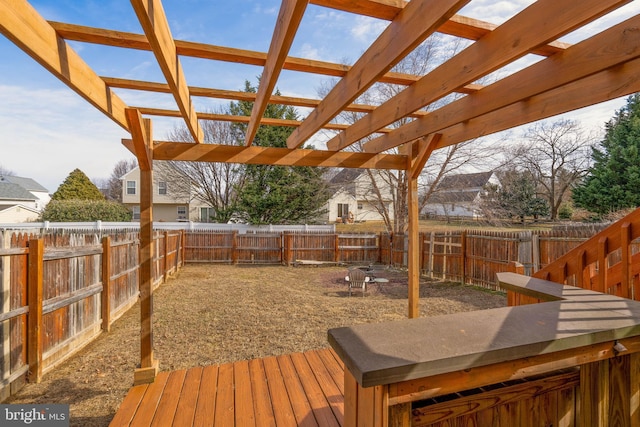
point(343, 210)
point(182, 212)
point(136, 212)
point(162, 187)
point(206, 214)
point(131, 187)
point(360, 206)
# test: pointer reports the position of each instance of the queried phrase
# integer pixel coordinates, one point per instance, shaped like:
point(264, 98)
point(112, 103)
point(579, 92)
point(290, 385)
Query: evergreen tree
point(77, 186)
point(277, 194)
point(613, 182)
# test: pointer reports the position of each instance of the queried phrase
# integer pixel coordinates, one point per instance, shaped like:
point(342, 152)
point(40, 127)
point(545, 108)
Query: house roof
point(463, 196)
point(346, 176)
point(11, 191)
point(464, 181)
point(26, 183)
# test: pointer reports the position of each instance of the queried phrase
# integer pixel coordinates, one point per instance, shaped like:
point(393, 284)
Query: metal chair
point(357, 279)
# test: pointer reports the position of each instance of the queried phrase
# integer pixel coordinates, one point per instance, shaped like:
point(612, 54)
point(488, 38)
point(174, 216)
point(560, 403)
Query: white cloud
point(367, 29)
point(45, 134)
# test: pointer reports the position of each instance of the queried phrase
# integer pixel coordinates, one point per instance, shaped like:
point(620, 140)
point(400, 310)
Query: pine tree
point(77, 186)
point(613, 182)
point(277, 194)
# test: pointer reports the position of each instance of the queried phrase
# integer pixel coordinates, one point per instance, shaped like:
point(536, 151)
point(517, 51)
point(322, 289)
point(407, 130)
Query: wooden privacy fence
point(472, 256)
point(60, 290)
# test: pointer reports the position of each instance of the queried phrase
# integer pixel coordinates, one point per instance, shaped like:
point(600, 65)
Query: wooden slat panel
point(206, 407)
point(169, 402)
point(185, 412)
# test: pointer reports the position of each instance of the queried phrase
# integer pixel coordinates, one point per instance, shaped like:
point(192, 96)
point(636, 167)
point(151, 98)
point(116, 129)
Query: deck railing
point(609, 262)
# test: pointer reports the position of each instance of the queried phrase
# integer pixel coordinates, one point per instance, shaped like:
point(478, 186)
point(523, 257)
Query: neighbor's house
point(173, 199)
point(354, 198)
point(460, 195)
point(21, 199)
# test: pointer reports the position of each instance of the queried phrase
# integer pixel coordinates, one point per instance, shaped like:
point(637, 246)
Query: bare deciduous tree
point(387, 191)
point(112, 187)
point(556, 154)
point(215, 184)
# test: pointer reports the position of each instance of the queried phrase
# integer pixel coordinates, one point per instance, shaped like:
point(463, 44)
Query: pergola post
point(414, 248)
point(142, 142)
point(418, 153)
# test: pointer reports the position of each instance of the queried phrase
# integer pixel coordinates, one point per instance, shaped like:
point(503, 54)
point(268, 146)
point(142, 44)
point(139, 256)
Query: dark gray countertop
point(390, 352)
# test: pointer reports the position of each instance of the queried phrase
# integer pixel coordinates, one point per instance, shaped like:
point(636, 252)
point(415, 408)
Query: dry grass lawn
point(210, 314)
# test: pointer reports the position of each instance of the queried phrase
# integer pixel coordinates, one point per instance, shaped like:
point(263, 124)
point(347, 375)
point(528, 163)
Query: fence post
point(5, 288)
point(183, 247)
point(165, 264)
point(34, 298)
point(234, 247)
point(106, 284)
point(336, 252)
point(463, 252)
point(625, 241)
point(431, 246)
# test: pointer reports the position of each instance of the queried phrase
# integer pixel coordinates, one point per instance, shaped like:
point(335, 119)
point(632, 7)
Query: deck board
point(168, 403)
point(185, 412)
point(299, 402)
point(206, 405)
point(301, 389)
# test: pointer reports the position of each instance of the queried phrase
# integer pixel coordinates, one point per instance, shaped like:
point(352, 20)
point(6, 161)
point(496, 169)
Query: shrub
point(565, 211)
point(85, 210)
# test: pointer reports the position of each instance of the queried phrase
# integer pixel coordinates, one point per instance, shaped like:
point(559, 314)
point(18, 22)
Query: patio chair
point(357, 279)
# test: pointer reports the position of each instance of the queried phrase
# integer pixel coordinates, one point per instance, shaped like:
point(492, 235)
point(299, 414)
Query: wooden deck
point(300, 389)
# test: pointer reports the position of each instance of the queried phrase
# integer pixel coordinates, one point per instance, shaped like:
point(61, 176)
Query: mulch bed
point(211, 314)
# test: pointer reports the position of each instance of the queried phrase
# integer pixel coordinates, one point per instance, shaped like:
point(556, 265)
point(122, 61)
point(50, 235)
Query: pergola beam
point(241, 119)
point(600, 87)
point(21, 24)
point(289, 17)
point(233, 95)
point(457, 25)
point(205, 51)
point(255, 155)
point(408, 29)
point(577, 62)
point(483, 57)
point(154, 23)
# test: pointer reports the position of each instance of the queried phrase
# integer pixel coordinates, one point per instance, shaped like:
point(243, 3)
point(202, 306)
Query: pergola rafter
point(483, 57)
point(603, 67)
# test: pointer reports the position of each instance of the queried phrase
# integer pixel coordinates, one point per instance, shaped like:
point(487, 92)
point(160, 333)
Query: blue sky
point(46, 130)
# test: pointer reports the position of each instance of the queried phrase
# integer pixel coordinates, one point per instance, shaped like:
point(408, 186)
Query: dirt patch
point(210, 314)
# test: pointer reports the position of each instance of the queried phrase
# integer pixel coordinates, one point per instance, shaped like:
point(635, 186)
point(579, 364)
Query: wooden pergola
point(602, 67)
